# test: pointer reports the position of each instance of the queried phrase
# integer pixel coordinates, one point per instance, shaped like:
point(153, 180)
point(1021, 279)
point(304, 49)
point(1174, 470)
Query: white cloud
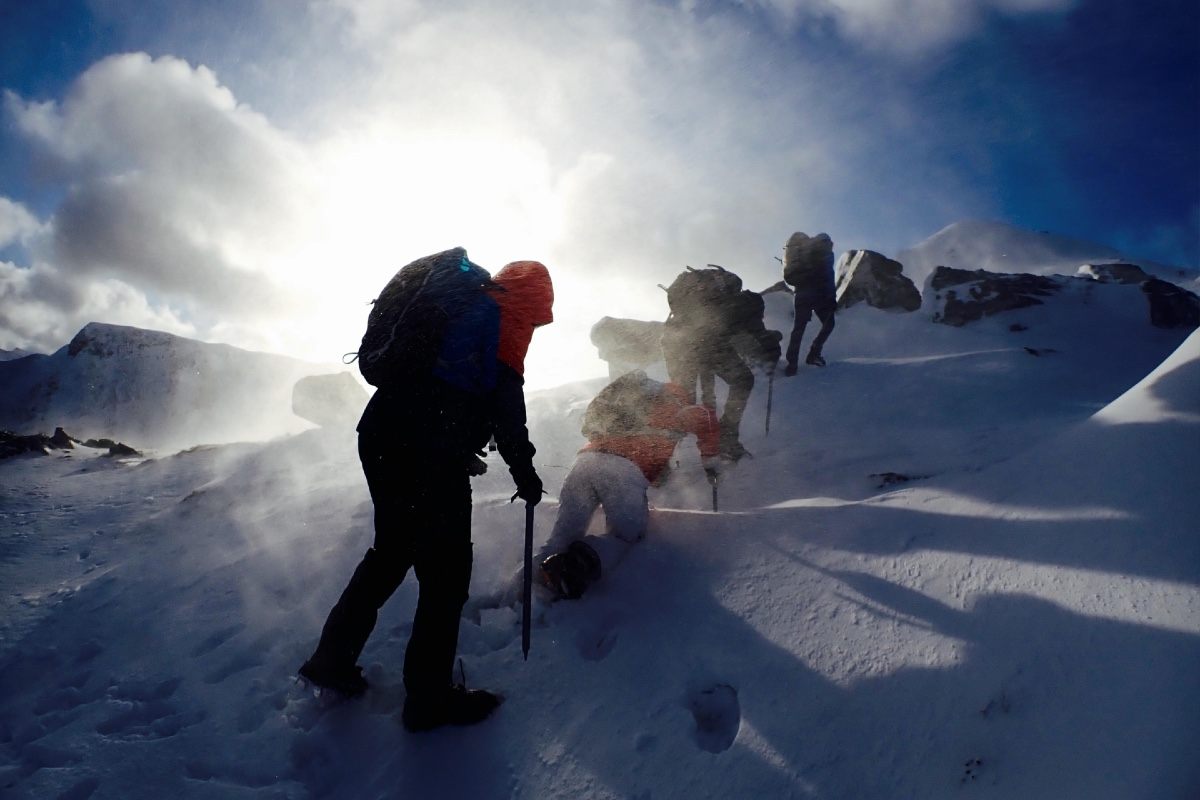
point(904, 27)
point(41, 308)
point(16, 223)
point(180, 202)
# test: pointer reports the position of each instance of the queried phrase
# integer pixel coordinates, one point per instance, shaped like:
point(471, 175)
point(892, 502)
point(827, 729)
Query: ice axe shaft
point(770, 395)
point(527, 582)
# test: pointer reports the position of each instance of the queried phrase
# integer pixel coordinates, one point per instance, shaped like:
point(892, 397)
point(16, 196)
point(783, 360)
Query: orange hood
point(526, 297)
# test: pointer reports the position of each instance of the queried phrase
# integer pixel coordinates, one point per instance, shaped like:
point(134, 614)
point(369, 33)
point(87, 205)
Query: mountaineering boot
point(568, 574)
point(815, 359)
point(456, 705)
point(790, 369)
point(345, 680)
point(731, 448)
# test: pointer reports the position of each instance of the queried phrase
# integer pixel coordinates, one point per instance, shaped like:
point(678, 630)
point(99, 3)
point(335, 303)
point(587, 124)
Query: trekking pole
point(770, 392)
point(527, 581)
point(712, 480)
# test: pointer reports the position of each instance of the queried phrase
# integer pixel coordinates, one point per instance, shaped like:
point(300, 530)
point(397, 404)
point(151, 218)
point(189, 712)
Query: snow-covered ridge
point(9, 355)
point(152, 389)
point(999, 247)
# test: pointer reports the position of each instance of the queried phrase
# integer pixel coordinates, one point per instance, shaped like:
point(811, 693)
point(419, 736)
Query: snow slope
point(999, 247)
point(1019, 621)
point(151, 389)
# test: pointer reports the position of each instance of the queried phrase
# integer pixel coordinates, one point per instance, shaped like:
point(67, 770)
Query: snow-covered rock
point(999, 247)
point(959, 296)
point(152, 388)
point(867, 276)
point(335, 400)
point(1114, 273)
point(627, 344)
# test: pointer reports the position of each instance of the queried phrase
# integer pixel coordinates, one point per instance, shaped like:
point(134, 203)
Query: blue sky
point(263, 148)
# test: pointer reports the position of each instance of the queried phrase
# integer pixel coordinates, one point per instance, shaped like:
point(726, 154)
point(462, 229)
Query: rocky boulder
point(330, 401)
point(1171, 306)
point(1114, 273)
point(870, 277)
point(61, 440)
point(627, 344)
point(961, 296)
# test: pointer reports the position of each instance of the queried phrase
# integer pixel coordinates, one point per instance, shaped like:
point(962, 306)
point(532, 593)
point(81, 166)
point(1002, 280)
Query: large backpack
point(807, 260)
point(623, 407)
point(408, 321)
point(748, 332)
point(697, 296)
point(711, 302)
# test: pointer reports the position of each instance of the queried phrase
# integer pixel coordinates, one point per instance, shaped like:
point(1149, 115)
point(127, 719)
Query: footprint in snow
point(142, 710)
point(239, 663)
point(147, 719)
point(718, 716)
point(216, 640)
point(595, 642)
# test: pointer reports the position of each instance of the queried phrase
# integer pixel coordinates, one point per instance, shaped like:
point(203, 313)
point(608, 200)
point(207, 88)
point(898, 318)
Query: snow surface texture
point(1019, 619)
point(997, 247)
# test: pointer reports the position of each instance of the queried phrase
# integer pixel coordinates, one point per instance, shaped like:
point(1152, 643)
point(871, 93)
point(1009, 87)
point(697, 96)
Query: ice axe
point(770, 393)
point(527, 582)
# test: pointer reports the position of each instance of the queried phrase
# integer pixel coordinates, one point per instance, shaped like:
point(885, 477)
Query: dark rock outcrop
point(113, 448)
point(961, 296)
point(873, 278)
point(1171, 306)
point(12, 444)
point(61, 440)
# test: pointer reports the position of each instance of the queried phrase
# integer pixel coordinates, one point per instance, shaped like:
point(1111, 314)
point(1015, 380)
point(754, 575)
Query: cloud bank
point(616, 142)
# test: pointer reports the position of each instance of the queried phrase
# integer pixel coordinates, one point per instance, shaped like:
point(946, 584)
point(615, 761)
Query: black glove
point(529, 485)
point(476, 465)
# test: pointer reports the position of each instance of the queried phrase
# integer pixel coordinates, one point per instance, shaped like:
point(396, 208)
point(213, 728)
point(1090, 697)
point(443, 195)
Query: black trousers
point(806, 306)
point(705, 361)
point(422, 522)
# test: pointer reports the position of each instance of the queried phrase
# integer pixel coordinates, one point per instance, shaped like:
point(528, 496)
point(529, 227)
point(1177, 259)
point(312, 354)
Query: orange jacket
point(526, 297)
point(669, 420)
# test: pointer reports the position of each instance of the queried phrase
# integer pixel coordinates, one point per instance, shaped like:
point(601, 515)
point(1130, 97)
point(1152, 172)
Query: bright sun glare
point(386, 196)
